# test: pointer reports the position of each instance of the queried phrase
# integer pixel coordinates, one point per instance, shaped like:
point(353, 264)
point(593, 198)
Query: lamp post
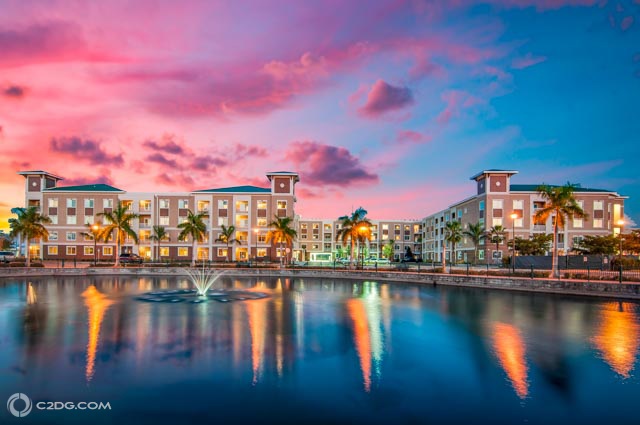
point(514, 216)
point(621, 224)
point(256, 231)
point(95, 228)
point(361, 231)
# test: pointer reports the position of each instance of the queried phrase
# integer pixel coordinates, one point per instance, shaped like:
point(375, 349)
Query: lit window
point(577, 222)
point(145, 205)
point(183, 252)
point(261, 205)
point(223, 221)
point(261, 222)
point(518, 204)
point(282, 205)
point(71, 250)
point(497, 221)
point(163, 203)
point(88, 250)
point(164, 251)
point(53, 236)
point(163, 220)
point(89, 219)
point(262, 252)
point(222, 252)
point(223, 204)
point(598, 205)
point(53, 203)
point(52, 250)
point(497, 204)
point(107, 251)
point(107, 203)
point(597, 223)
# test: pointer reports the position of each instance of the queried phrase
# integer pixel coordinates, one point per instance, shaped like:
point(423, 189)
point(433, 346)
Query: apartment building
point(251, 208)
point(318, 239)
point(494, 203)
point(73, 209)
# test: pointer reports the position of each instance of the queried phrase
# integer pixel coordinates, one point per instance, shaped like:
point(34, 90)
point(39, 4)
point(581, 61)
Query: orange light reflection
point(510, 350)
point(358, 315)
point(617, 337)
point(97, 304)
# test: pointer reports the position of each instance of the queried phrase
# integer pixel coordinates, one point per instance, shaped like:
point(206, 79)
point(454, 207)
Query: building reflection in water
point(97, 304)
point(617, 337)
point(509, 347)
point(365, 314)
point(31, 294)
point(256, 312)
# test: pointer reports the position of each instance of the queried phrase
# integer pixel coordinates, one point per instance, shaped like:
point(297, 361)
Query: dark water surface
point(316, 351)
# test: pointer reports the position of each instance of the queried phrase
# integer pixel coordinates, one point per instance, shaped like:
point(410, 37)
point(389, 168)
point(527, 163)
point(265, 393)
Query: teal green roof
point(534, 188)
point(85, 188)
point(237, 189)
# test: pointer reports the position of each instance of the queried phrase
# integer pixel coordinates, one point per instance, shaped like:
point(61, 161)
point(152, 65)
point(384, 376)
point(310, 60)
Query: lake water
point(315, 351)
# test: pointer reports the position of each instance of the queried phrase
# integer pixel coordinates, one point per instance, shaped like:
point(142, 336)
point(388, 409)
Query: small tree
point(453, 234)
point(354, 228)
point(387, 250)
point(561, 204)
point(159, 234)
point(598, 245)
point(282, 233)
point(476, 233)
point(226, 236)
point(195, 227)
point(118, 221)
point(29, 225)
point(497, 235)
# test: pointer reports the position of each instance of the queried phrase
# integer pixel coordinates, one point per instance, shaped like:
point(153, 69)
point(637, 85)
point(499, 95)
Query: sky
point(388, 105)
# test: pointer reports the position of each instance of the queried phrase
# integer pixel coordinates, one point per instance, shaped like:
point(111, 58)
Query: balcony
point(539, 227)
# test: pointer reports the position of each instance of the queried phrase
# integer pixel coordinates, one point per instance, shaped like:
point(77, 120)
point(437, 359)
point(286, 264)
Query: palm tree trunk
point(228, 252)
point(117, 249)
point(444, 256)
point(27, 246)
point(193, 254)
point(554, 257)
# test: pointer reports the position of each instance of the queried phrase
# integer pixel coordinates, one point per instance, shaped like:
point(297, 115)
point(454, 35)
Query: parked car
point(344, 261)
point(7, 256)
point(411, 260)
point(130, 259)
point(376, 260)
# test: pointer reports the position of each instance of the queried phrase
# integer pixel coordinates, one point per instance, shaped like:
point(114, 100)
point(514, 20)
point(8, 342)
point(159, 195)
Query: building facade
point(494, 203)
point(250, 209)
point(73, 209)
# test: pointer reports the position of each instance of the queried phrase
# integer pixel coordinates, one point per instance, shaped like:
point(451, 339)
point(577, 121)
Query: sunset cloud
point(384, 98)
point(89, 150)
point(322, 164)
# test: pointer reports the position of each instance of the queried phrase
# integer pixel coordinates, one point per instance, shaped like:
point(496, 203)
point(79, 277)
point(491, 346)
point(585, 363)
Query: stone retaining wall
point(571, 287)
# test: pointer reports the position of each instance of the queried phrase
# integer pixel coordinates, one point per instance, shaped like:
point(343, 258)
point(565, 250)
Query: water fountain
point(202, 279)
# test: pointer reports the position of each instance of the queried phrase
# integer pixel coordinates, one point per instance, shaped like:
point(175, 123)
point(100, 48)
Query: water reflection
point(97, 304)
point(616, 337)
point(327, 343)
point(509, 347)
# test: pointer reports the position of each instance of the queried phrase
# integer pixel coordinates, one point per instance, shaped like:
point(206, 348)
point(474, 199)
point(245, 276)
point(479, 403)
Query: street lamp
point(256, 231)
point(95, 228)
point(514, 216)
point(621, 224)
point(361, 230)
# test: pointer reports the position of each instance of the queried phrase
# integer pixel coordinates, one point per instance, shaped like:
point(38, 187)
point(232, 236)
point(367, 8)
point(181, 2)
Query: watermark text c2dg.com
point(20, 405)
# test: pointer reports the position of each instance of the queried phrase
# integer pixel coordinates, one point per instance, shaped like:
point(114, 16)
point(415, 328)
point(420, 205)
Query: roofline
point(284, 173)
point(603, 191)
point(61, 189)
point(482, 173)
point(30, 172)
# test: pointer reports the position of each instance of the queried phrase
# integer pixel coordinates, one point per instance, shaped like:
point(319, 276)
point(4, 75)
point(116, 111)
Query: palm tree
point(227, 237)
point(281, 232)
point(475, 232)
point(561, 205)
point(387, 250)
point(355, 227)
point(29, 225)
point(195, 227)
point(497, 235)
point(453, 234)
point(118, 221)
point(159, 234)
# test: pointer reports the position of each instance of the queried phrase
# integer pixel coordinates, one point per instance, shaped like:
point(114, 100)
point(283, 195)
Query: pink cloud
point(14, 91)
point(456, 100)
point(626, 23)
point(384, 98)
point(322, 164)
point(412, 137)
point(89, 150)
point(527, 61)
